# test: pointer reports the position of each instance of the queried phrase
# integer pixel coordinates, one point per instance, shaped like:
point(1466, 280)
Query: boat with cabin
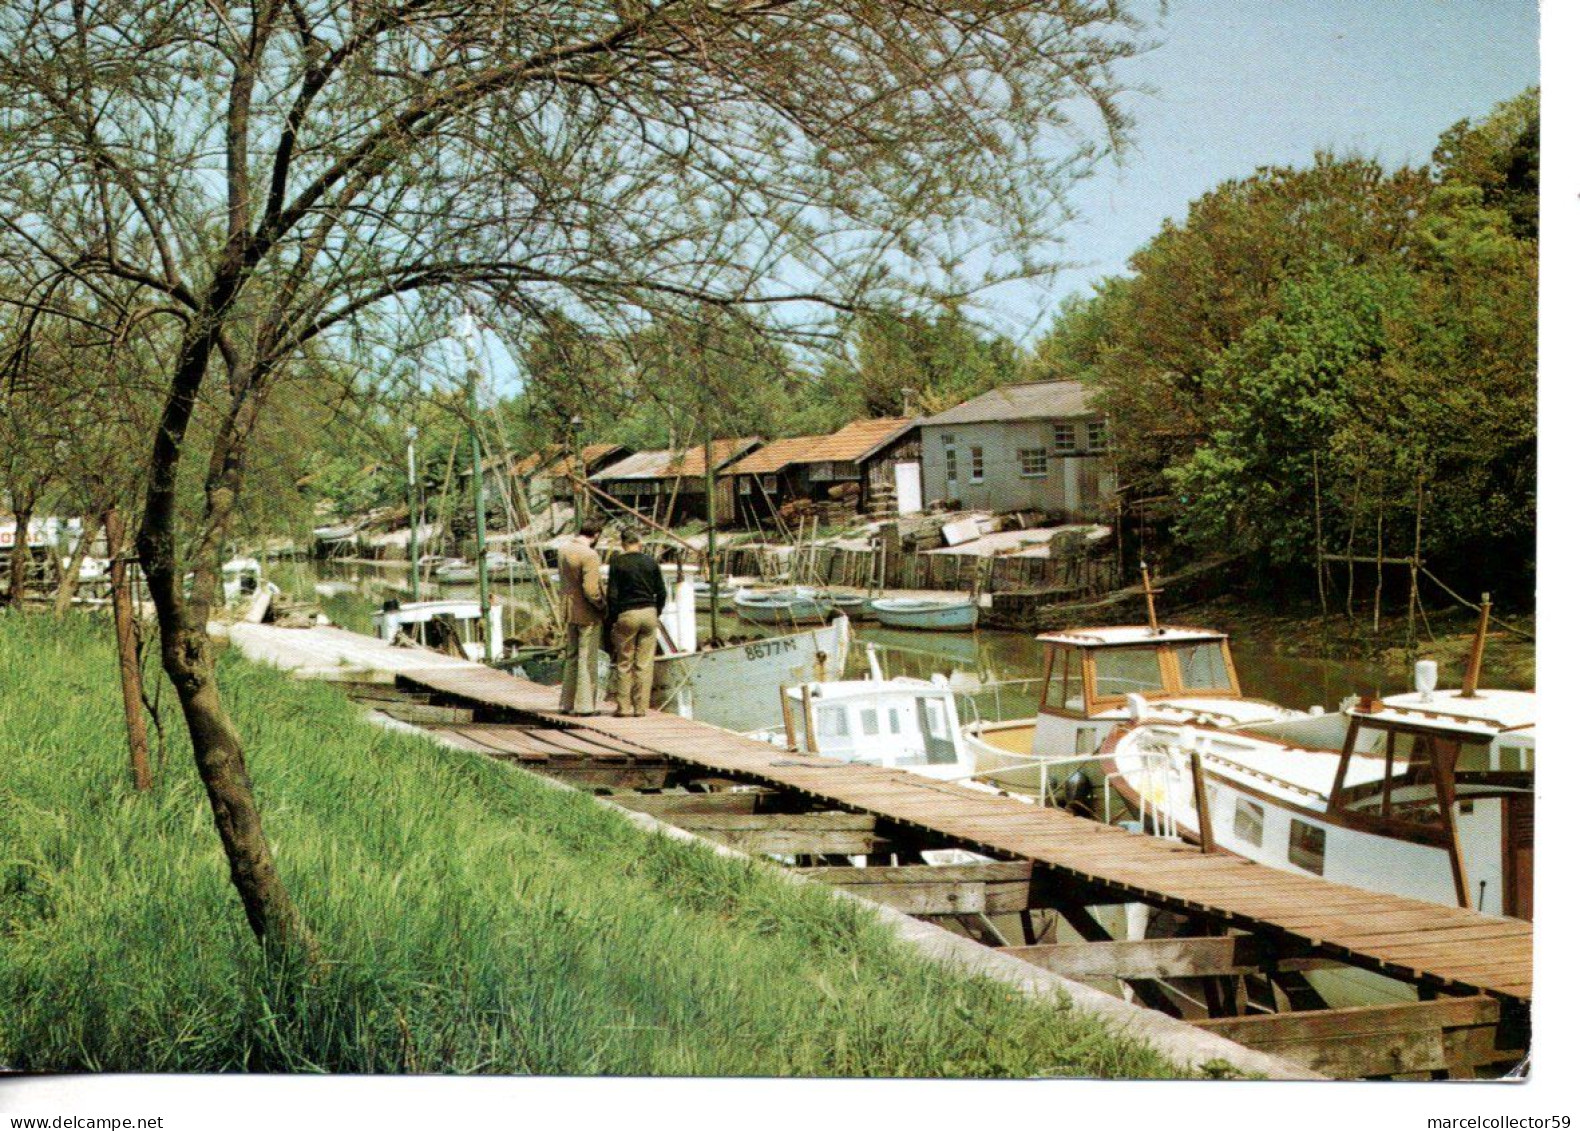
point(1424, 794)
point(1182, 674)
point(454, 627)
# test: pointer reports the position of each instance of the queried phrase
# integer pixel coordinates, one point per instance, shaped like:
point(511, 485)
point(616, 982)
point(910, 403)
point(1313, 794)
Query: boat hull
point(927, 615)
point(737, 686)
point(783, 608)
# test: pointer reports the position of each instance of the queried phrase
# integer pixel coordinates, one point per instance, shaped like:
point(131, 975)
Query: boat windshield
point(1202, 666)
point(1121, 671)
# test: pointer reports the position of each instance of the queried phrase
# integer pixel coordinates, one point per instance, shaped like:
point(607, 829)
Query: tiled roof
point(1036, 400)
point(668, 465)
point(851, 442)
point(591, 454)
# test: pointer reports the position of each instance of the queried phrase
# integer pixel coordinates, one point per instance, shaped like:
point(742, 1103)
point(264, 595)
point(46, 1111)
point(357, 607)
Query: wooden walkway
point(1439, 948)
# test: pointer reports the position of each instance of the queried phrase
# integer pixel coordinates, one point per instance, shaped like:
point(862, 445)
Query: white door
point(908, 486)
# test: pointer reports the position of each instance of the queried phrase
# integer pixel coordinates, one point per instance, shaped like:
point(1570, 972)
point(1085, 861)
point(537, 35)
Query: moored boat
point(938, 614)
point(800, 604)
point(454, 627)
point(1182, 674)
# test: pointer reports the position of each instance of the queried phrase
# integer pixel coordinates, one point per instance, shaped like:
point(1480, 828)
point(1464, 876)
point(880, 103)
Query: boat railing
point(974, 706)
point(1021, 764)
point(1157, 774)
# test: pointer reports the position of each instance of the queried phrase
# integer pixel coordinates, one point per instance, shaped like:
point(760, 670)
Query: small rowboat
point(944, 614)
point(853, 605)
point(800, 605)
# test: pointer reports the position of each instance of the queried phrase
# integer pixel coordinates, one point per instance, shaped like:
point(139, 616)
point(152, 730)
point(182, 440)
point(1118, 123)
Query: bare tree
point(274, 176)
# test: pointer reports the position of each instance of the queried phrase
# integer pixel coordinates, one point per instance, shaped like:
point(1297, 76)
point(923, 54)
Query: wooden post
point(126, 646)
point(806, 712)
point(1316, 493)
point(1203, 814)
point(789, 715)
point(1377, 596)
point(1146, 584)
point(1477, 647)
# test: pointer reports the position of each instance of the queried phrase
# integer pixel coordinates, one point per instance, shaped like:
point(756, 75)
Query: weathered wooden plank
point(421, 714)
point(1383, 1040)
point(787, 834)
point(995, 888)
point(666, 805)
point(1158, 958)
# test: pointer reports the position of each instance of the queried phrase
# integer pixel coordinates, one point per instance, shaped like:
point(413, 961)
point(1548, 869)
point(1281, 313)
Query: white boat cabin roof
point(1129, 635)
point(417, 612)
point(843, 689)
point(1488, 714)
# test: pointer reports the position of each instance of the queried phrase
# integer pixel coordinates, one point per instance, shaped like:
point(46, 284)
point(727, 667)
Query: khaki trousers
point(579, 677)
point(635, 639)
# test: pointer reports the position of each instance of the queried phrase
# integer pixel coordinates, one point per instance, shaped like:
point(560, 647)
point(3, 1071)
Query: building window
point(978, 465)
point(1097, 435)
point(1064, 437)
point(821, 472)
point(771, 484)
point(743, 486)
point(1308, 845)
point(951, 465)
point(1033, 462)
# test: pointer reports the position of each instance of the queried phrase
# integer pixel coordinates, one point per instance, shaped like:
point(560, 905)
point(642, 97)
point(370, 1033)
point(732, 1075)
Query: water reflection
point(350, 593)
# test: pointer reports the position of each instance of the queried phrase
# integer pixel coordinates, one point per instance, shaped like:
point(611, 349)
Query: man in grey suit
point(582, 601)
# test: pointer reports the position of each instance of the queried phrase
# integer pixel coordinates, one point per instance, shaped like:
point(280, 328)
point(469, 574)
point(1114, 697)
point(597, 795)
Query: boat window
point(1202, 665)
point(1390, 776)
point(1308, 845)
point(935, 716)
point(1123, 670)
point(894, 720)
point(1064, 681)
point(869, 720)
point(1085, 740)
point(1248, 821)
point(832, 723)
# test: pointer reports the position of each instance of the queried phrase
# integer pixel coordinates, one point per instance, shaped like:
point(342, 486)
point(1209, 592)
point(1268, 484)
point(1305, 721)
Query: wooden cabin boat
point(900, 723)
point(1425, 794)
point(800, 604)
point(936, 614)
point(1182, 674)
point(455, 627)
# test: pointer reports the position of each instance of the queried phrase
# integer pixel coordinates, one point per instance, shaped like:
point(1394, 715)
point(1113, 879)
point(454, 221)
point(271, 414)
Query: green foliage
point(473, 919)
point(1339, 336)
point(943, 360)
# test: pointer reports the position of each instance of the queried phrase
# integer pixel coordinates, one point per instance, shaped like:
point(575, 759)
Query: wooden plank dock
point(1239, 938)
point(1441, 948)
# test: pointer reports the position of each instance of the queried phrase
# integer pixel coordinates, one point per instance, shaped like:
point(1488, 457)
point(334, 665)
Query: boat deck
point(1439, 948)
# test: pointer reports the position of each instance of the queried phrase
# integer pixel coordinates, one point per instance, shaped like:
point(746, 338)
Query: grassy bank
point(475, 920)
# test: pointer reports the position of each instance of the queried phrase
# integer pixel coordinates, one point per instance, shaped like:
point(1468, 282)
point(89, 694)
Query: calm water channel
point(350, 593)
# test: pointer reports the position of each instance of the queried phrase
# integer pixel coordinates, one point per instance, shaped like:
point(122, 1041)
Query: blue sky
point(1237, 84)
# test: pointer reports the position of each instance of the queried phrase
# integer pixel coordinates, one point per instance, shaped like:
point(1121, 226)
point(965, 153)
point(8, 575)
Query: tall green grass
point(474, 919)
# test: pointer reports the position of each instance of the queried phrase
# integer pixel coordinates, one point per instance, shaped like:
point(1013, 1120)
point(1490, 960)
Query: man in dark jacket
point(636, 597)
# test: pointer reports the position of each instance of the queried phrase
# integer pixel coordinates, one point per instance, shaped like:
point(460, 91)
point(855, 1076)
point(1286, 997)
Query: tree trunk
point(21, 557)
point(126, 645)
point(186, 653)
point(71, 567)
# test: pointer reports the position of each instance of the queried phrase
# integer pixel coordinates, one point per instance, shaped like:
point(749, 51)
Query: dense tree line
point(1336, 345)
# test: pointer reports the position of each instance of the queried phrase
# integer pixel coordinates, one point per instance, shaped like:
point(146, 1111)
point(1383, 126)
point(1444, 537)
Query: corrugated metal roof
point(851, 442)
point(668, 465)
point(1036, 400)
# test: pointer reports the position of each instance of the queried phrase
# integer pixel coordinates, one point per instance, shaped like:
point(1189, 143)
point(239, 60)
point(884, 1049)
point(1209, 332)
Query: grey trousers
point(579, 678)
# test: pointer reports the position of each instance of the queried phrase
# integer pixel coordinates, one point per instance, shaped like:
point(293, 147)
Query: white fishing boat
point(935, 614)
point(1426, 794)
point(899, 723)
point(799, 604)
point(1185, 675)
point(241, 578)
point(500, 566)
point(454, 627)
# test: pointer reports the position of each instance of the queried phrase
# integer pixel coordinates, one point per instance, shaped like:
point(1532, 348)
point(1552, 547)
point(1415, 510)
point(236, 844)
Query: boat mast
point(1477, 647)
point(1152, 611)
point(411, 502)
point(708, 480)
point(468, 332)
